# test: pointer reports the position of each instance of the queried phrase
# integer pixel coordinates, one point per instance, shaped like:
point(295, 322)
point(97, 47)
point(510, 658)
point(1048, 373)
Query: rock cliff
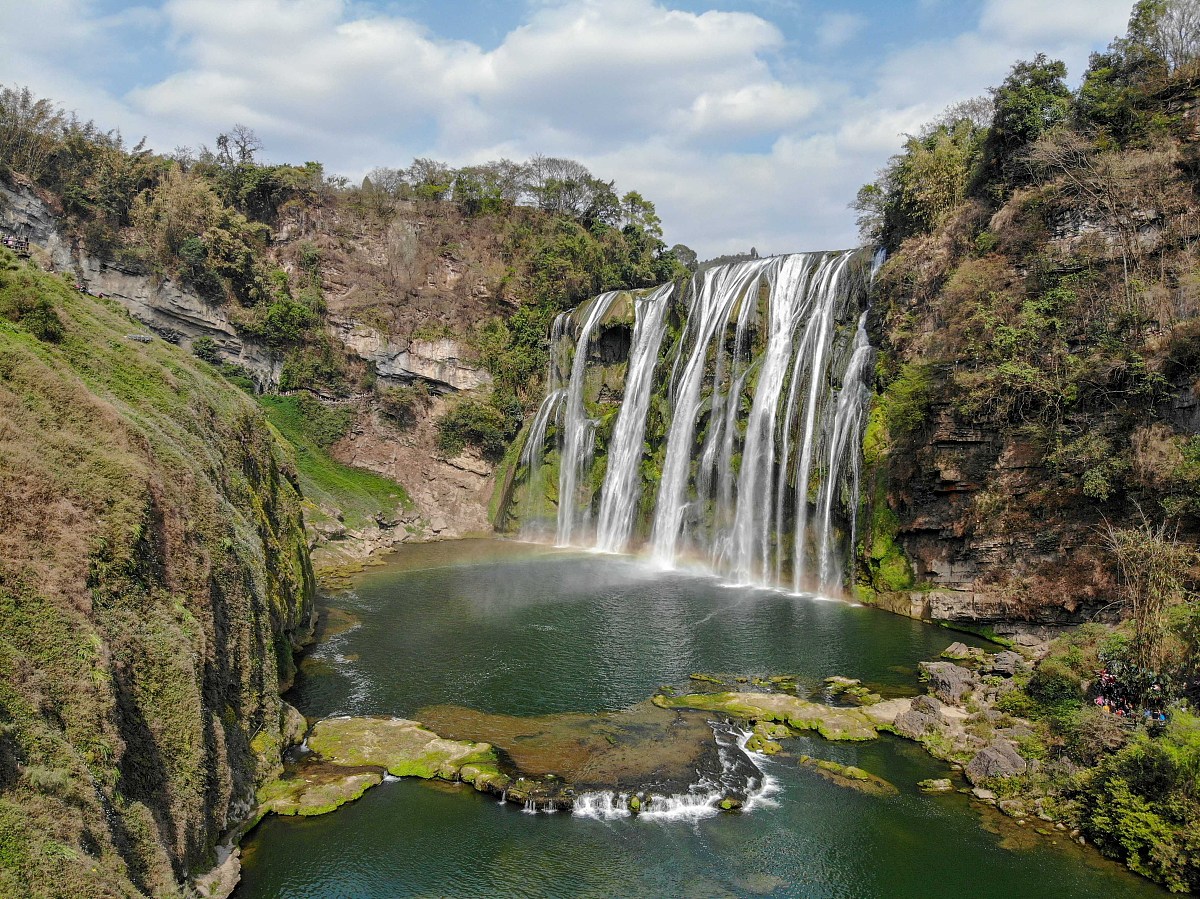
point(154, 583)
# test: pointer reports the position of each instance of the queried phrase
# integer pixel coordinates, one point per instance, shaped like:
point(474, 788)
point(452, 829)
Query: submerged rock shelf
point(663, 751)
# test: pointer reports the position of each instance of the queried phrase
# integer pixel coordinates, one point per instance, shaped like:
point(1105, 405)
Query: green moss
point(184, 538)
point(308, 428)
point(315, 791)
point(830, 722)
point(403, 748)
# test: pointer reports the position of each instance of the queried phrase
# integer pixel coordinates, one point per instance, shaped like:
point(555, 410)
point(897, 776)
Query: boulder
point(1005, 663)
point(927, 704)
point(914, 724)
point(956, 651)
point(997, 759)
point(948, 681)
point(936, 785)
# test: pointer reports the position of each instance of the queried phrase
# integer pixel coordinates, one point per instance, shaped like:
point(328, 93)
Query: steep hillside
point(420, 300)
point(154, 583)
point(1037, 319)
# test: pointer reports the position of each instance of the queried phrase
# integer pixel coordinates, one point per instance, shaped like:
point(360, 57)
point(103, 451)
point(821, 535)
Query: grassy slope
point(328, 484)
point(153, 578)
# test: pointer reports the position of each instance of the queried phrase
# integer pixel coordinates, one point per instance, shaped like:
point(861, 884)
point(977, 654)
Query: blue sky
point(748, 122)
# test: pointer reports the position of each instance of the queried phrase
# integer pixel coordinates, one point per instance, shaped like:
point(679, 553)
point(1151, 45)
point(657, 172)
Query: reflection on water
point(519, 630)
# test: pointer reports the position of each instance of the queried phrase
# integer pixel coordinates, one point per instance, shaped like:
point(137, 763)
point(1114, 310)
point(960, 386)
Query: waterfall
point(578, 431)
point(713, 301)
point(742, 402)
point(532, 453)
point(848, 422)
point(622, 486)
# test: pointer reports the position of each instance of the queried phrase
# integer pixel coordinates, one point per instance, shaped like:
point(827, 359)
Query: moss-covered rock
point(404, 748)
point(830, 722)
point(315, 790)
point(849, 776)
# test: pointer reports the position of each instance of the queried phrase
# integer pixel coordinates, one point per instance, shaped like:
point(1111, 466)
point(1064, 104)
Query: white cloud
point(715, 116)
point(1043, 22)
point(838, 28)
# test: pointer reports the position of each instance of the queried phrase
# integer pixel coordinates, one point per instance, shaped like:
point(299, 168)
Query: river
point(525, 630)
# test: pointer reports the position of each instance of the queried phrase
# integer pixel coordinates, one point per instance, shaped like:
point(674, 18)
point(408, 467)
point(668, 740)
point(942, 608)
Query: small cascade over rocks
point(739, 784)
point(729, 432)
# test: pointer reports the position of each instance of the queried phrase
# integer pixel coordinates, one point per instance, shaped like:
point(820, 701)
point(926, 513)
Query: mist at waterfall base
point(733, 440)
point(530, 630)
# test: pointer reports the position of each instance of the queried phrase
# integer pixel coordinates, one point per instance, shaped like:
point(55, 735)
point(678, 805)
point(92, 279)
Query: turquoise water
point(512, 629)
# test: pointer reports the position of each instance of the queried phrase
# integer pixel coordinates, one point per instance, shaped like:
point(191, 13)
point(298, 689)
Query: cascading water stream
point(577, 430)
point(751, 522)
point(535, 440)
point(622, 486)
point(853, 401)
point(731, 415)
point(715, 297)
point(819, 326)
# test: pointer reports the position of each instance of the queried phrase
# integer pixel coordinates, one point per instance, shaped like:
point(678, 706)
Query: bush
point(1142, 805)
point(205, 349)
point(484, 425)
point(1054, 684)
point(906, 399)
point(404, 405)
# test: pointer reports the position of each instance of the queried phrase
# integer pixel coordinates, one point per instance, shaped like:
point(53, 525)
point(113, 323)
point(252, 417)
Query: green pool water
point(523, 630)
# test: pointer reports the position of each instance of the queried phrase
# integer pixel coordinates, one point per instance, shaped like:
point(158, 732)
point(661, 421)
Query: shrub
point(483, 425)
point(205, 349)
point(403, 405)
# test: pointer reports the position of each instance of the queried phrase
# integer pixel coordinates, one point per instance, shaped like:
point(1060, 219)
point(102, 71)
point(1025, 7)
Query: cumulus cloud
point(1037, 21)
point(737, 132)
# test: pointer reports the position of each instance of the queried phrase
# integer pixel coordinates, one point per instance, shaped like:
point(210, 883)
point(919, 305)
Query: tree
point(686, 256)
point(1155, 570)
point(639, 212)
point(430, 179)
point(1169, 29)
point(476, 191)
point(238, 145)
point(920, 187)
point(29, 130)
point(1033, 99)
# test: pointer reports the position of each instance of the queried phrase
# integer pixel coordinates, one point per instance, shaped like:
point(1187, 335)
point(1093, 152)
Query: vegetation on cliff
point(503, 246)
point(154, 583)
point(1033, 445)
point(1037, 317)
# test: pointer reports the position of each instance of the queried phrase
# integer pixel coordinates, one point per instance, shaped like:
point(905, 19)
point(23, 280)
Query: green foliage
point(1156, 572)
point(310, 428)
point(920, 187)
point(30, 300)
point(315, 365)
point(205, 348)
point(404, 405)
point(488, 425)
point(1031, 101)
point(1142, 805)
point(905, 400)
point(1054, 684)
point(306, 418)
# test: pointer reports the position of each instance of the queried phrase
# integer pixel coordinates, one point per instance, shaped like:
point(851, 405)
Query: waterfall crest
point(737, 405)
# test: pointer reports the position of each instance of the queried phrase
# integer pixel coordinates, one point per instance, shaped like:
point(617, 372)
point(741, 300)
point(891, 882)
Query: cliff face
point(372, 316)
point(154, 582)
point(1037, 389)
